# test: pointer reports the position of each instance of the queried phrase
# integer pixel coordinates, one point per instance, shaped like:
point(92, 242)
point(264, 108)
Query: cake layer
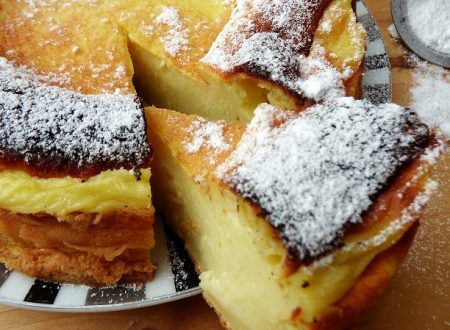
point(74, 169)
point(230, 238)
point(116, 190)
point(274, 40)
point(93, 248)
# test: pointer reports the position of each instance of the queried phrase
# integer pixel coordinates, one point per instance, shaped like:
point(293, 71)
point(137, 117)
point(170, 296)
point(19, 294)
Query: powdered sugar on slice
point(176, 38)
point(316, 173)
point(205, 134)
point(51, 127)
point(272, 39)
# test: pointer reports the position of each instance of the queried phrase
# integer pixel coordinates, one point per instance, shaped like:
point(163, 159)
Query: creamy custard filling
point(109, 190)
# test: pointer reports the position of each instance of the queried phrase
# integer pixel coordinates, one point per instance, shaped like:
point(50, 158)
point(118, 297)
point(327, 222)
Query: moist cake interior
point(190, 87)
point(108, 47)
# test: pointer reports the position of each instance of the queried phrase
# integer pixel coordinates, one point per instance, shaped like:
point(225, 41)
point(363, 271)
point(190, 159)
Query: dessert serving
point(75, 199)
point(266, 164)
point(294, 220)
point(90, 51)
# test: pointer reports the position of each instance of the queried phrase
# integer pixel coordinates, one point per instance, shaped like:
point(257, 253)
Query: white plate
point(175, 277)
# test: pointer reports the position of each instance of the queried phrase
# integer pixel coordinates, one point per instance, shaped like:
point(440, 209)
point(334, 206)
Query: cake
point(73, 130)
point(294, 221)
point(75, 203)
point(212, 71)
point(92, 51)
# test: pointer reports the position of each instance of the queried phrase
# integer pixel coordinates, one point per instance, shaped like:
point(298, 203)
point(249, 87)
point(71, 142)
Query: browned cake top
point(272, 39)
point(313, 175)
point(52, 131)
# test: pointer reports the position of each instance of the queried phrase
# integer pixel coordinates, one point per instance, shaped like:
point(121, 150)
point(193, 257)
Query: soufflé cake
point(296, 200)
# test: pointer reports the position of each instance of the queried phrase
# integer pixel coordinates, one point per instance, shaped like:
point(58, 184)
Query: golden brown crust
point(81, 248)
point(367, 288)
point(289, 32)
point(312, 42)
point(82, 268)
point(41, 122)
point(49, 38)
point(160, 120)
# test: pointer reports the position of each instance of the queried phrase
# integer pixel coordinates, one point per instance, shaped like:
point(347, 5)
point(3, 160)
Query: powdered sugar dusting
point(430, 94)
point(205, 134)
point(176, 38)
point(48, 126)
point(315, 174)
point(429, 19)
point(393, 32)
point(430, 90)
point(272, 39)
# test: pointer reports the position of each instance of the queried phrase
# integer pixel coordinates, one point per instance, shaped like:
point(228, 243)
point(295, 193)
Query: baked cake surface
point(314, 175)
point(317, 258)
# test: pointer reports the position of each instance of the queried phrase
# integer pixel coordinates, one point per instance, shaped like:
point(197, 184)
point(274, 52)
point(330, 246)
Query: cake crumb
point(393, 32)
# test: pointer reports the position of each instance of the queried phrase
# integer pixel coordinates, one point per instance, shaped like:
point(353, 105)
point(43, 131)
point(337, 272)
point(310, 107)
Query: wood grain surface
point(418, 298)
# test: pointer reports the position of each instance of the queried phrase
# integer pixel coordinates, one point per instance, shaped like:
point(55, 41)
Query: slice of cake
point(220, 59)
point(294, 221)
point(75, 202)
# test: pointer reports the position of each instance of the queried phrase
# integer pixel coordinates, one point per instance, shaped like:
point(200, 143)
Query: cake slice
point(296, 220)
point(286, 53)
point(75, 203)
point(220, 59)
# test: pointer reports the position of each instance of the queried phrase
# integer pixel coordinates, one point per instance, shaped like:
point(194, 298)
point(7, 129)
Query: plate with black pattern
point(176, 277)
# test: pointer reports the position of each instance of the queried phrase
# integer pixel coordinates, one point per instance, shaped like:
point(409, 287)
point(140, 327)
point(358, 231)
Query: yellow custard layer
point(109, 190)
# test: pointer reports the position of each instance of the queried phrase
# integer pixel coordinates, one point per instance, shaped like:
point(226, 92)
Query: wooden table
point(418, 298)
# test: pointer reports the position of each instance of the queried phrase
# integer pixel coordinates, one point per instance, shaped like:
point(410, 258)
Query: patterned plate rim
point(176, 277)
